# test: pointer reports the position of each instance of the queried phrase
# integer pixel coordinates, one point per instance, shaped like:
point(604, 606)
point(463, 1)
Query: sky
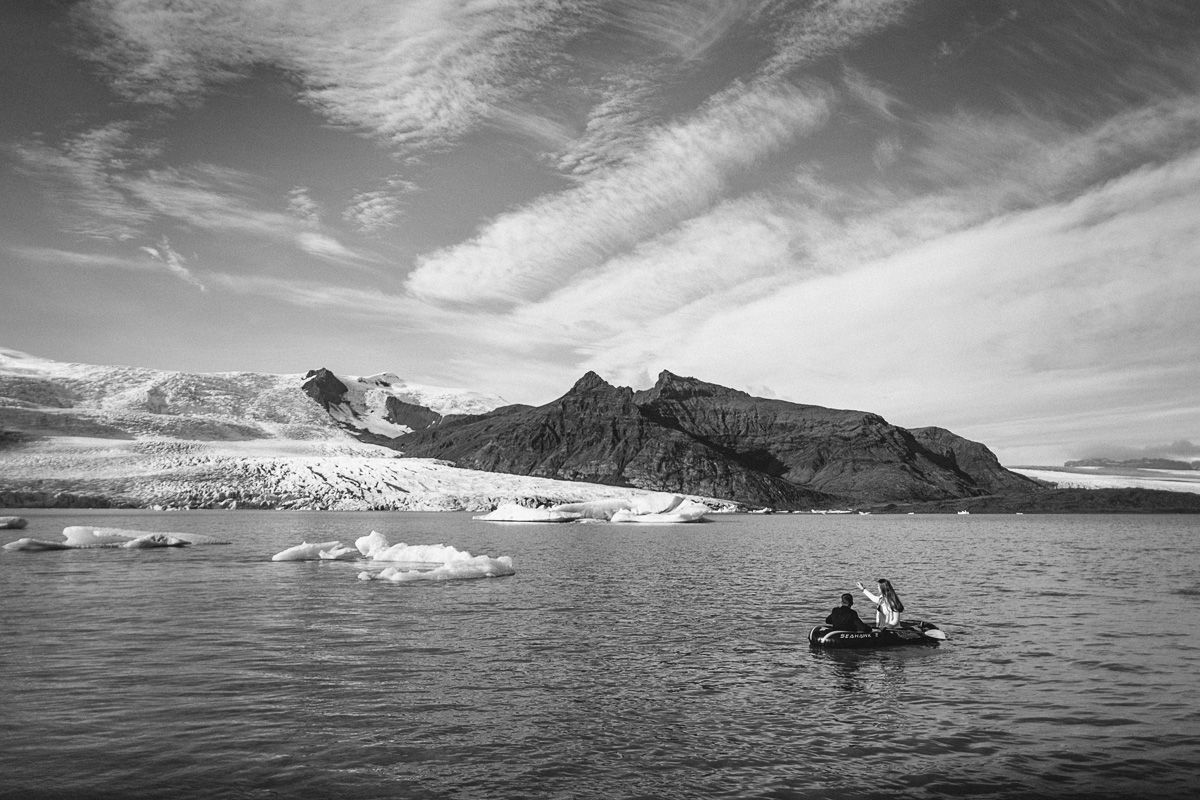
point(978, 215)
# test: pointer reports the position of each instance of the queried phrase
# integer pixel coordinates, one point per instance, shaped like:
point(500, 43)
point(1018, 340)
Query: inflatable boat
point(909, 632)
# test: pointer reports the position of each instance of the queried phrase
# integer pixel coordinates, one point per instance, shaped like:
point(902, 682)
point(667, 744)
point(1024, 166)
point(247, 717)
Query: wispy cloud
point(105, 189)
point(812, 31)
point(154, 259)
point(681, 172)
point(74, 258)
point(301, 204)
point(412, 73)
point(81, 177)
point(174, 262)
point(379, 209)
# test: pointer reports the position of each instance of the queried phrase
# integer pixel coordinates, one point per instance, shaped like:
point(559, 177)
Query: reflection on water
point(617, 662)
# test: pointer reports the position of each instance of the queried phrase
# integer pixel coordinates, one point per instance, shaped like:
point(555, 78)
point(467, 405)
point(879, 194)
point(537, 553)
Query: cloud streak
point(411, 73)
point(681, 172)
point(174, 262)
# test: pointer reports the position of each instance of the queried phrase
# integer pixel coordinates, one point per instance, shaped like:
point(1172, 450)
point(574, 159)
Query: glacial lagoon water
point(620, 661)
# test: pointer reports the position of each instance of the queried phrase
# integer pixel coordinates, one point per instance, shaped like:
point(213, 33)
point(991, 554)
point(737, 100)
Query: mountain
point(686, 434)
point(81, 435)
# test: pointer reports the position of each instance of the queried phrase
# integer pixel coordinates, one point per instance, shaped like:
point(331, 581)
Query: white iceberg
point(27, 543)
point(371, 543)
point(92, 536)
point(436, 562)
point(645, 507)
point(512, 512)
point(406, 562)
point(339, 553)
point(87, 537)
point(686, 511)
point(315, 551)
point(154, 540)
point(649, 507)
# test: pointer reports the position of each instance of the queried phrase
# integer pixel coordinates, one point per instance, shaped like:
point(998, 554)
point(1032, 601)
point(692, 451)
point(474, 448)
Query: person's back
point(845, 618)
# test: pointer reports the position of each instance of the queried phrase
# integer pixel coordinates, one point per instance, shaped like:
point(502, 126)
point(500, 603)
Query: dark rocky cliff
point(975, 460)
point(324, 387)
point(686, 435)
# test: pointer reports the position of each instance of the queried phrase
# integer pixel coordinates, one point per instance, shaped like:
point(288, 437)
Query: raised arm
point(874, 598)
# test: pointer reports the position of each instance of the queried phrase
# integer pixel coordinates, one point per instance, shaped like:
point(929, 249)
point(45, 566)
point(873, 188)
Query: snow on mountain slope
point(52, 398)
point(81, 434)
point(389, 406)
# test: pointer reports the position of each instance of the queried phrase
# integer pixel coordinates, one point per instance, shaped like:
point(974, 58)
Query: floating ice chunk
point(595, 509)
point(511, 512)
point(686, 511)
point(154, 540)
point(654, 503)
point(435, 562)
point(434, 554)
point(27, 543)
point(91, 536)
point(339, 553)
point(87, 536)
point(13, 523)
point(474, 567)
point(190, 538)
point(306, 551)
point(372, 542)
point(635, 505)
point(82, 537)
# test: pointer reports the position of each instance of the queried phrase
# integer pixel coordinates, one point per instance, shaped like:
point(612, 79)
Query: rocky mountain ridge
point(685, 434)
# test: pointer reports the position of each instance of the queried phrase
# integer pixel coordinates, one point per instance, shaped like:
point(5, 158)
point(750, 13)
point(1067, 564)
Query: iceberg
point(686, 511)
point(87, 537)
point(92, 536)
point(659, 507)
point(316, 551)
point(644, 507)
point(154, 540)
point(371, 543)
point(406, 562)
point(436, 562)
point(26, 543)
point(512, 512)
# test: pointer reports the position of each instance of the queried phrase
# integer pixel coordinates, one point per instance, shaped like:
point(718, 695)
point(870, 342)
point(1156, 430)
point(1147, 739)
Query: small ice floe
point(13, 523)
point(435, 562)
point(87, 537)
point(92, 536)
point(512, 512)
point(317, 551)
point(27, 543)
point(660, 507)
point(372, 543)
point(406, 562)
point(154, 540)
point(686, 511)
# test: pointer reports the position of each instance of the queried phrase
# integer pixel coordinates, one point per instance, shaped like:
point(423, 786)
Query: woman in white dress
point(887, 604)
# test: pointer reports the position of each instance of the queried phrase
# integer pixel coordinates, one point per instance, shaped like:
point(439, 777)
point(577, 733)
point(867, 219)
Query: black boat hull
point(909, 633)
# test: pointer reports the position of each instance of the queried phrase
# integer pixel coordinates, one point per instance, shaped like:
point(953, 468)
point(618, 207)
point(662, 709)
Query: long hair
point(885, 588)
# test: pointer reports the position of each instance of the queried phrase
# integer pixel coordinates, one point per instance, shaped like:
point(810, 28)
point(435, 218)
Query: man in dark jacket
point(845, 618)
